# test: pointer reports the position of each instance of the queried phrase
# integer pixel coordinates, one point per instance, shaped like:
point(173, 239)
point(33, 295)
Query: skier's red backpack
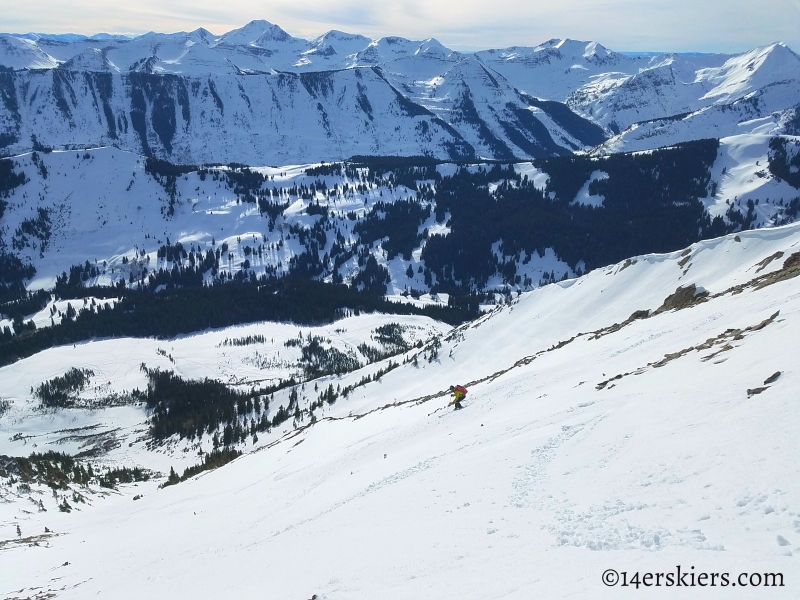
point(461, 389)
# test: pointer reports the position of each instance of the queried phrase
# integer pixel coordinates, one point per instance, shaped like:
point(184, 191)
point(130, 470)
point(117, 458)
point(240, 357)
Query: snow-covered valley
point(640, 417)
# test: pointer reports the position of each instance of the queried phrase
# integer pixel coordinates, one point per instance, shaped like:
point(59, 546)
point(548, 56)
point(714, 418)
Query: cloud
point(677, 25)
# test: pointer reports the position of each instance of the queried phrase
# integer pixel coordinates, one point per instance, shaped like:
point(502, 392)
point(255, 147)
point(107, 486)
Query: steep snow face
point(679, 99)
point(259, 119)
point(19, 53)
point(610, 423)
point(750, 71)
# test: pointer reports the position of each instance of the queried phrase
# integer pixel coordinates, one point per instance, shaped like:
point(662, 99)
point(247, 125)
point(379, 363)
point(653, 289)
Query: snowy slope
point(106, 209)
point(492, 115)
point(590, 441)
point(210, 354)
point(657, 100)
point(742, 175)
point(556, 68)
point(21, 53)
point(748, 93)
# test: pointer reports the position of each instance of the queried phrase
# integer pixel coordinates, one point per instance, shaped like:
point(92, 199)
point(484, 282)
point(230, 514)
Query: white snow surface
point(638, 449)
point(583, 196)
point(670, 102)
point(742, 174)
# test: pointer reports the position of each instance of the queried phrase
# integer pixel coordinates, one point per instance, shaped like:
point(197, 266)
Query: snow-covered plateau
point(641, 418)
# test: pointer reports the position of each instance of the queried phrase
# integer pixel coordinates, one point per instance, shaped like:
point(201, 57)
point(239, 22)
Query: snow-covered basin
point(540, 485)
point(115, 365)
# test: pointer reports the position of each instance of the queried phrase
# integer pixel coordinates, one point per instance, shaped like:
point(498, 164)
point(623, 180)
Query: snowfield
point(614, 421)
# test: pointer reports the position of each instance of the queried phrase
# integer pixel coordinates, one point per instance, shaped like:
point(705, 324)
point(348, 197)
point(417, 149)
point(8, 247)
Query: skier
point(458, 392)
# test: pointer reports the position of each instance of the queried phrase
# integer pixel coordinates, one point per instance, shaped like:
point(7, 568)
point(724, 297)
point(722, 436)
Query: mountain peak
point(91, 59)
point(24, 53)
point(432, 47)
point(256, 33)
point(778, 51)
point(337, 43)
point(255, 24)
point(203, 34)
point(341, 36)
point(578, 48)
point(750, 70)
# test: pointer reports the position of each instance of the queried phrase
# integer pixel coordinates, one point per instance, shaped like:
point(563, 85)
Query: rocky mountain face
point(254, 119)
point(280, 99)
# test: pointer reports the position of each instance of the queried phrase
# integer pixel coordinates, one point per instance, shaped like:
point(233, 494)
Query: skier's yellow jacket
point(458, 393)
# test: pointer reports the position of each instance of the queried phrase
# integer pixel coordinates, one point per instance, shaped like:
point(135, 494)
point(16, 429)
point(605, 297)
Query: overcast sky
point(625, 25)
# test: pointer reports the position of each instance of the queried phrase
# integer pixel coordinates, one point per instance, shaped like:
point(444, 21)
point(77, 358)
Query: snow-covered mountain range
point(280, 99)
point(638, 418)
